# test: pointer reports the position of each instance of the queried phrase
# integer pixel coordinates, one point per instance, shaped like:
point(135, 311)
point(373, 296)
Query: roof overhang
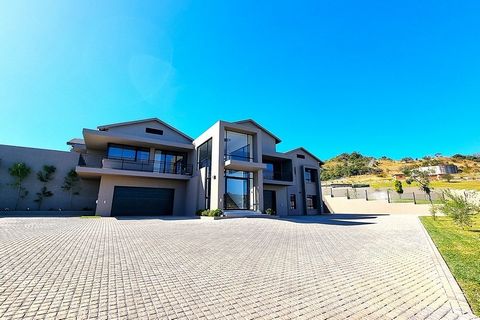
point(99, 140)
point(306, 151)
point(120, 124)
point(277, 139)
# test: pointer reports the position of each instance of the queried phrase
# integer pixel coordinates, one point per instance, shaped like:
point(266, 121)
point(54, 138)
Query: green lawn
point(461, 250)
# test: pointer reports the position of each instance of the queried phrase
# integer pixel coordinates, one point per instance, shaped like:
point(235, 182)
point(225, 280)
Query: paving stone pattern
point(335, 267)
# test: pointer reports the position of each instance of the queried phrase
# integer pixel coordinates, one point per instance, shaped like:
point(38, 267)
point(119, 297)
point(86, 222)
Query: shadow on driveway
point(339, 219)
point(166, 218)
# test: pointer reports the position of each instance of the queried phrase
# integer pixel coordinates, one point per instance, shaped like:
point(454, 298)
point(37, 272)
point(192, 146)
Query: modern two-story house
point(147, 167)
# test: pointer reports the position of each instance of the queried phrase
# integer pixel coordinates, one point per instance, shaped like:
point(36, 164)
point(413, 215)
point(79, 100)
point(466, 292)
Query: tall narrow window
point(204, 154)
point(293, 201)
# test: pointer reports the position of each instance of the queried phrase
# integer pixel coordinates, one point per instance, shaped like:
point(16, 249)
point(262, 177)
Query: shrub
point(210, 213)
point(459, 207)
point(199, 212)
point(398, 187)
point(216, 213)
point(270, 211)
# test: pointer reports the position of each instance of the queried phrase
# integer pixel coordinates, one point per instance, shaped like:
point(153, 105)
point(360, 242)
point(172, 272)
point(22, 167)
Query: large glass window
point(120, 152)
point(238, 146)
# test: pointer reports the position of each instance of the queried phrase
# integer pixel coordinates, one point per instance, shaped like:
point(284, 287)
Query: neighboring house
point(437, 172)
point(398, 176)
point(147, 167)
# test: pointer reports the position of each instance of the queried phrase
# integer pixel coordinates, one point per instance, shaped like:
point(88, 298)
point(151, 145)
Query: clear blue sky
point(395, 78)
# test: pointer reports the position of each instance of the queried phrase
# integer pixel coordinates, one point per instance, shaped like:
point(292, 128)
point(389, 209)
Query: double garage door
point(139, 201)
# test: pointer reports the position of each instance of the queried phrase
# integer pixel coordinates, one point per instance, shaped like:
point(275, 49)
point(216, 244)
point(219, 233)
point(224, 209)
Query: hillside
point(378, 172)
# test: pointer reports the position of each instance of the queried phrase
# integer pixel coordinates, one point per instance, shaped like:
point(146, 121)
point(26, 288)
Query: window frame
point(127, 147)
point(314, 202)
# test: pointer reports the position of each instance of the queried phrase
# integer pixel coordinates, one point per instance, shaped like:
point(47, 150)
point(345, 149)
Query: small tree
point(422, 178)
point(459, 207)
point(447, 177)
point(45, 175)
point(398, 187)
point(19, 171)
point(71, 185)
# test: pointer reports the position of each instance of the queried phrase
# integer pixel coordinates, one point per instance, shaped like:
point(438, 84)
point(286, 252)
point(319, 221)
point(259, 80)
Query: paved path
point(358, 266)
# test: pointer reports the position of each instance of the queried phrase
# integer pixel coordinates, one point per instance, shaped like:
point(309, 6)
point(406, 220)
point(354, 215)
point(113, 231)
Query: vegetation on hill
point(378, 172)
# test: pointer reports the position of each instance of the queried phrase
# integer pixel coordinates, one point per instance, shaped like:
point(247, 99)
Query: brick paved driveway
point(363, 267)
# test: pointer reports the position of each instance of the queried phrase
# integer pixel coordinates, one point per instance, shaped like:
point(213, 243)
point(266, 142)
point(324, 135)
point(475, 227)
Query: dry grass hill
point(355, 168)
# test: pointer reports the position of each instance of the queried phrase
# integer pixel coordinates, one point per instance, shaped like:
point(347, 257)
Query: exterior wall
point(36, 159)
point(301, 188)
point(217, 159)
point(138, 129)
point(107, 184)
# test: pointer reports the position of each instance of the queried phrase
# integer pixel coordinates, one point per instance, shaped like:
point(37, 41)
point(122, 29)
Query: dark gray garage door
point(136, 201)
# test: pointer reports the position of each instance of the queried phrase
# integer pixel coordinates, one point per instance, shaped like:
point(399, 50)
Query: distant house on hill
point(440, 169)
point(435, 172)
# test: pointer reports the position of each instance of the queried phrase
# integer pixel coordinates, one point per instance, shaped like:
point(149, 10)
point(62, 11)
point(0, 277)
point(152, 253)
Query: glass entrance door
point(238, 190)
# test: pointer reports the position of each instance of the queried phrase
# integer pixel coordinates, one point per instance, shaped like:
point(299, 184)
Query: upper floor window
point(238, 146)
point(300, 156)
point(310, 175)
point(121, 152)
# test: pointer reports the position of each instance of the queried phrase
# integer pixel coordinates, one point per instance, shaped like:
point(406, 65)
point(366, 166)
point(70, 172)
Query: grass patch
point(90, 217)
point(461, 250)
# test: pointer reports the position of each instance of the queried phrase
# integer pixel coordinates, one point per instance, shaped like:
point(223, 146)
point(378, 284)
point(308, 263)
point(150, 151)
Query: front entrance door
point(270, 200)
point(238, 190)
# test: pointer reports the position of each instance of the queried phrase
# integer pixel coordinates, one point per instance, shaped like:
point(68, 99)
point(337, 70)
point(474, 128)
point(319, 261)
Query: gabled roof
point(120, 124)
point(306, 151)
point(277, 139)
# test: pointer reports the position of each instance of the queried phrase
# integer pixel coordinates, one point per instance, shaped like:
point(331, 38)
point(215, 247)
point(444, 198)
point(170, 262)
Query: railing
point(238, 157)
point(148, 166)
point(277, 175)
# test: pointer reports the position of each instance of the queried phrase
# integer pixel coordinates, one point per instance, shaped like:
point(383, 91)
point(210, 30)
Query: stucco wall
point(107, 184)
point(35, 159)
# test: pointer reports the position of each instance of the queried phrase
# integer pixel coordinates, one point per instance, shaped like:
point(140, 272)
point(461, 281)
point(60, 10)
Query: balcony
point(149, 166)
point(278, 170)
point(152, 168)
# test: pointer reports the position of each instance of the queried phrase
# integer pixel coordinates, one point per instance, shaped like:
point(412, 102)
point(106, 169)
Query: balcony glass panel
point(238, 146)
